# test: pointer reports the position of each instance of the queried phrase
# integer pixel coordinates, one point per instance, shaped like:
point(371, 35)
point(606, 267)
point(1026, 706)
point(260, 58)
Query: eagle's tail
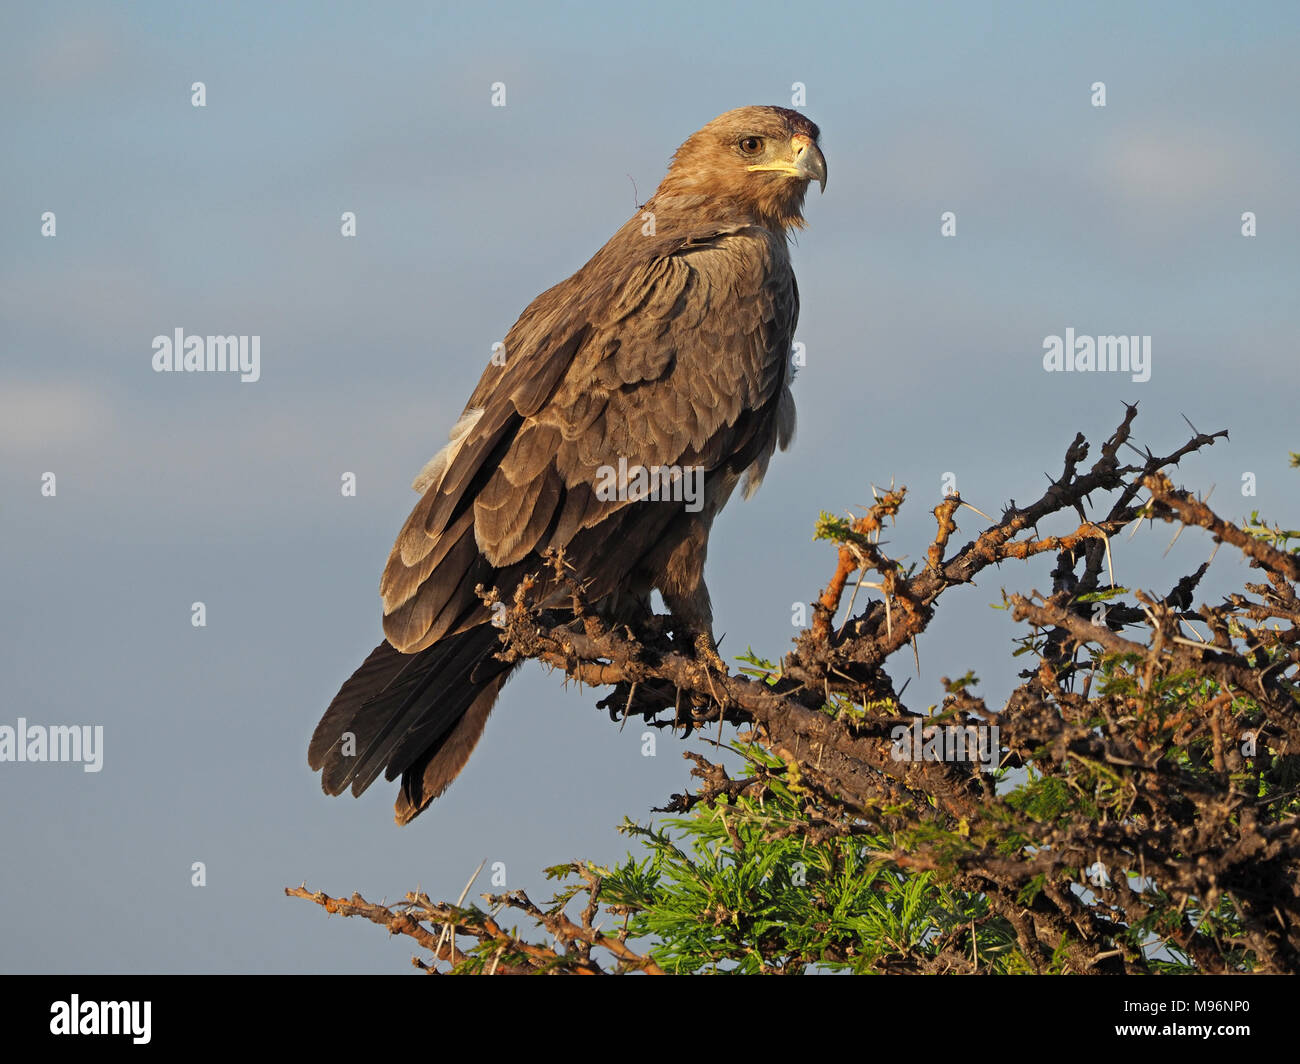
point(417, 715)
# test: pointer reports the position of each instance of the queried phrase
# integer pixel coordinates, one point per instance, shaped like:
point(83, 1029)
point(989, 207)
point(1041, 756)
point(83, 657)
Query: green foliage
point(1274, 536)
point(740, 887)
point(839, 530)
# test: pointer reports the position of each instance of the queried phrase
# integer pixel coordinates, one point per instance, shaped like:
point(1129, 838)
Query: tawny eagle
point(669, 350)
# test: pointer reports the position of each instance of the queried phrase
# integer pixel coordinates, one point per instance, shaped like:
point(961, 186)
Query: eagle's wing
point(667, 354)
point(671, 356)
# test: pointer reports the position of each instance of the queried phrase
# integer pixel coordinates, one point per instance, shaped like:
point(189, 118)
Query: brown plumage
point(670, 348)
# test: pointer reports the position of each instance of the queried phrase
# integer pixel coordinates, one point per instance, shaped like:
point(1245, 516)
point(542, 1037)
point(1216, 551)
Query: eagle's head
point(758, 159)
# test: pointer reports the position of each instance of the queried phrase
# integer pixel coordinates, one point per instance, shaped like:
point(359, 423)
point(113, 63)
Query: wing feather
point(671, 352)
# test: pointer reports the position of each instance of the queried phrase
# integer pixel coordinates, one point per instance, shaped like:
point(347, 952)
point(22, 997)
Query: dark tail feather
point(418, 715)
point(433, 771)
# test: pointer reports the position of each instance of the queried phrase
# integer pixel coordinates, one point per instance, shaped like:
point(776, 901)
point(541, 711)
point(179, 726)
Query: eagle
point(667, 353)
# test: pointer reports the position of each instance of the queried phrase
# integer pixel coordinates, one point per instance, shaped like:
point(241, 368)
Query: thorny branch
point(1178, 813)
point(497, 950)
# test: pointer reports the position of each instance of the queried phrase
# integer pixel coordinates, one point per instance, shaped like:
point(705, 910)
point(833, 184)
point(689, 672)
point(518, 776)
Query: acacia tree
point(1138, 813)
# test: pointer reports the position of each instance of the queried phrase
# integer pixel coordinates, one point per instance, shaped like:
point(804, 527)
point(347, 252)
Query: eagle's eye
point(751, 145)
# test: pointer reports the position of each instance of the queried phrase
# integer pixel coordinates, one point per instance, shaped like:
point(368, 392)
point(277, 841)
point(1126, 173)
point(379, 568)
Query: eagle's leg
point(693, 626)
point(630, 606)
point(686, 596)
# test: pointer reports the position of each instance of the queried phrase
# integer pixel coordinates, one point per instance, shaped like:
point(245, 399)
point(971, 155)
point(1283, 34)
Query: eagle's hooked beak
point(806, 161)
point(809, 162)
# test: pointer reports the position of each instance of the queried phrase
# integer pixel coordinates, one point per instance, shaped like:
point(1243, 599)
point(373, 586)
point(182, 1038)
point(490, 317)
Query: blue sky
point(923, 358)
